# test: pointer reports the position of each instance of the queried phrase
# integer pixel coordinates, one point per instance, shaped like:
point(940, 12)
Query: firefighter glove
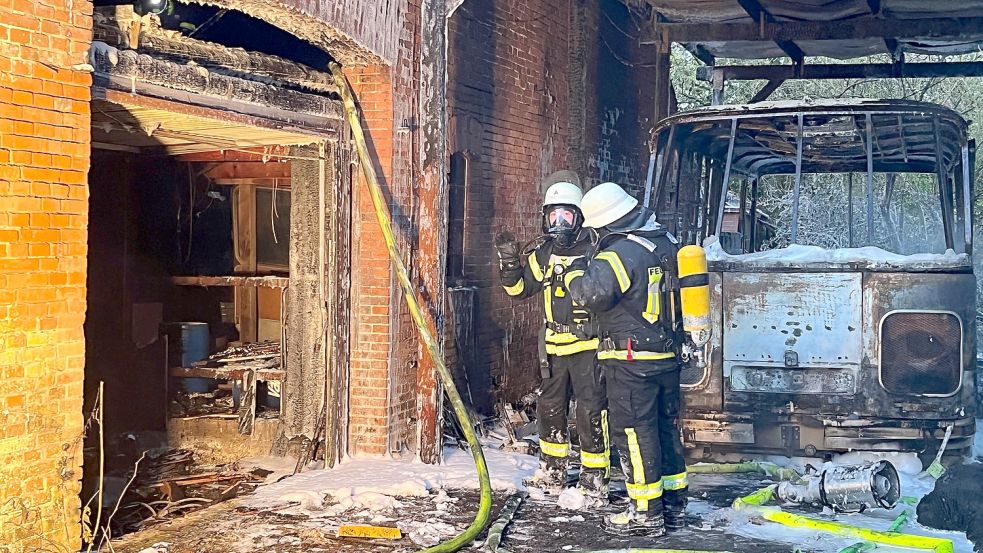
point(508, 252)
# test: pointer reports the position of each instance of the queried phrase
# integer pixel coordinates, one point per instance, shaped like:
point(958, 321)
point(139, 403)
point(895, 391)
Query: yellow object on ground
point(364, 531)
point(770, 469)
point(755, 503)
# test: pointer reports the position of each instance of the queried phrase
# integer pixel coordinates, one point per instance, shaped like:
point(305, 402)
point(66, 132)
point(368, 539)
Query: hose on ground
point(385, 222)
point(755, 503)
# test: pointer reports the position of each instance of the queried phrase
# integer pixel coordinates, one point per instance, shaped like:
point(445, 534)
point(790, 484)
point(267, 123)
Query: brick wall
point(371, 345)
point(403, 408)
point(509, 110)
point(44, 157)
point(620, 103)
point(386, 353)
point(534, 90)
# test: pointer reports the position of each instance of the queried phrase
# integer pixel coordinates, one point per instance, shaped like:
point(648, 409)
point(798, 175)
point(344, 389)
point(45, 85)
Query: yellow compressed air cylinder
point(694, 293)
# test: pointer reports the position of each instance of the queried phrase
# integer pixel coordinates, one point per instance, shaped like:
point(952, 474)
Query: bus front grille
point(921, 353)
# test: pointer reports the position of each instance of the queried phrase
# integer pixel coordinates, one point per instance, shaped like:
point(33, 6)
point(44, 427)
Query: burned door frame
point(314, 421)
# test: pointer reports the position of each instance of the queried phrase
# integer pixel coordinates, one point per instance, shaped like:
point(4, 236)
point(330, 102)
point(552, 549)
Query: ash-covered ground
point(430, 504)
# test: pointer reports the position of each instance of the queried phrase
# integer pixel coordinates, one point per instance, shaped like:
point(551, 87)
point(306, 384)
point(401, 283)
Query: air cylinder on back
point(694, 293)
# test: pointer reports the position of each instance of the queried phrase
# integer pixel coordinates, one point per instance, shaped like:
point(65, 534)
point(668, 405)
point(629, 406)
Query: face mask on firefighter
point(561, 219)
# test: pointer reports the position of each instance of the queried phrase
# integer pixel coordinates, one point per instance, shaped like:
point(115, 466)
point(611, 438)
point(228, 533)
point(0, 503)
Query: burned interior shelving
point(200, 154)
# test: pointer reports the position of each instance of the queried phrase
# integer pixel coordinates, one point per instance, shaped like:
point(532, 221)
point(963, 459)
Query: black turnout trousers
point(580, 375)
point(643, 401)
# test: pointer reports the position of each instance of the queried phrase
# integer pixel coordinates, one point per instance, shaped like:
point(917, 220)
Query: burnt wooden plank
point(965, 29)
point(844, 71)
point(247, 405)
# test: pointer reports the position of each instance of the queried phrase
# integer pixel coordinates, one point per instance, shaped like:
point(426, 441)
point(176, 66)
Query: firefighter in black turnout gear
point(567, 343)
point(627, 286)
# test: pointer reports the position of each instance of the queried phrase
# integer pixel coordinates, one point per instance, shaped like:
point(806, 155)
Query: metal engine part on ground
point(847, 489)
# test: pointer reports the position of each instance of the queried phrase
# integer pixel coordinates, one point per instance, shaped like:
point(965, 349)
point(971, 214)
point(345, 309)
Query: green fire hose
point(382, 213)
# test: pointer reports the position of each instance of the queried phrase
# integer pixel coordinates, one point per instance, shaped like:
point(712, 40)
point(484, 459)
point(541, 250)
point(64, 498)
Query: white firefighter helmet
point(565, 193)
point(605, 204)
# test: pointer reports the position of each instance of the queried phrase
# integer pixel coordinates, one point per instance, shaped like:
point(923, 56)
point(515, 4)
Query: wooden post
point(662, 81)
point(430, 259)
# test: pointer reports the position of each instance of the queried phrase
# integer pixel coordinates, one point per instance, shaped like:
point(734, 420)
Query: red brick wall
point(44, 157)
point(386, 352)
point(371, 274)
point(403, 409)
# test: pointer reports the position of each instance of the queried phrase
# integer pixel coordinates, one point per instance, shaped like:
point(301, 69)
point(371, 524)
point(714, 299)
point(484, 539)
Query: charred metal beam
point(752, 244)
point(894, 48)
point(797, 191)
point(726, 180)
point(843, 71)
point(965, 29)
point(869, 143)
point(766, 91)
point(757, 13)
point(943, 180)
point(967, 199)
point(849, 203)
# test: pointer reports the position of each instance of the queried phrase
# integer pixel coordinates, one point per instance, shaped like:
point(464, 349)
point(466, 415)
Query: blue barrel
point(193, 346)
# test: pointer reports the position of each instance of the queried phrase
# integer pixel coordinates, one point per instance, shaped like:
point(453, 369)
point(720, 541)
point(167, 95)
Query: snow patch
point(571, 499)
point(373, 484)
point(429, 533)
point(869, 256)
point(159, 547)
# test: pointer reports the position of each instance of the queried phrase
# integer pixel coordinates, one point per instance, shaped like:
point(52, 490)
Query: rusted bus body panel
point(795, 362)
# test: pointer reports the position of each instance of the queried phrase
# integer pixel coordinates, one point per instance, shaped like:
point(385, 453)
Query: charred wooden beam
point(966, 29)
point(235, 62)
point(701, 54)
point(766, 90)
point(843, 71)
point(757, 13)
point(126, 70)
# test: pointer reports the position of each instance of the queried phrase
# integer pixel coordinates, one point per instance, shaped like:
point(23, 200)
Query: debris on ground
point(956, 503)
point(168, 483)
point(429, 504)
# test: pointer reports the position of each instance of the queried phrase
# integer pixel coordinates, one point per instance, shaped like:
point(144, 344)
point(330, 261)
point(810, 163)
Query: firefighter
point(567, 342)
point(627, 286)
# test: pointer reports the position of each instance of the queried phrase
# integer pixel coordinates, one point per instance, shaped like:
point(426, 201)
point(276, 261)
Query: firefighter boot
point(594, 486)
point(674, 511)
point(632, 523)
point(551, 477)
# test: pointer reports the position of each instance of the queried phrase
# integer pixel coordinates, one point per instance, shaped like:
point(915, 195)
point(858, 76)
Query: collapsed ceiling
point(751, 29)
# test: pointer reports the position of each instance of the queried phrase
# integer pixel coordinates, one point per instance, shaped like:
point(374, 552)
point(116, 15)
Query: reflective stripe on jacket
point(545, 271)
point(626, 286)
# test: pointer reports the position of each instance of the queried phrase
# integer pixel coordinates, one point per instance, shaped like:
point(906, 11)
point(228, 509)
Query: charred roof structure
point(798, 29)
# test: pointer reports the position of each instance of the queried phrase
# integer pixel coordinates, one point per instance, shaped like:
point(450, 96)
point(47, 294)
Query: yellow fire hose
point(755, 503)
point(385, 222)
point(772, 470)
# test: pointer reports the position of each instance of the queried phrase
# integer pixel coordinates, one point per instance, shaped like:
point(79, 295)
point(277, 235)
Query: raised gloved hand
point(508, 251)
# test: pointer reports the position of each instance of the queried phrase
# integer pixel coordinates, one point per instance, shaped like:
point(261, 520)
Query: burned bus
point(839, 238)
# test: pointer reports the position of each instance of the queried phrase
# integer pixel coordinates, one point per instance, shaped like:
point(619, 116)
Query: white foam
point(869, 257)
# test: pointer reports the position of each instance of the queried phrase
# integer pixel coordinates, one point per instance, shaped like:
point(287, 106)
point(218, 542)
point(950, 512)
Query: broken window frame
point(672, 145)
